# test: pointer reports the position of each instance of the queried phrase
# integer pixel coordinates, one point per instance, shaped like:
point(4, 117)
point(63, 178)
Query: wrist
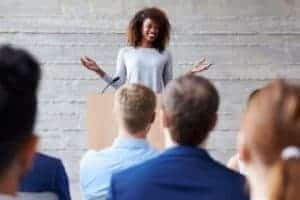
point(190, 72)
point(100, 72)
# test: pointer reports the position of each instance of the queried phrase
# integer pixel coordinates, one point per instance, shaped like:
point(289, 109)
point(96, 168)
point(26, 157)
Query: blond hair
point(272, 123)
point(135, 104)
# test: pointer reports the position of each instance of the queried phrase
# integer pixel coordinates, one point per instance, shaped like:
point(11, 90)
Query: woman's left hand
point(200, 66)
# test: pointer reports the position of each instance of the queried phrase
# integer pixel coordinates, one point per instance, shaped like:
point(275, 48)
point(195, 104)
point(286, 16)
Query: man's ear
point(28, 152)
point(153, 117)
point(244, 154)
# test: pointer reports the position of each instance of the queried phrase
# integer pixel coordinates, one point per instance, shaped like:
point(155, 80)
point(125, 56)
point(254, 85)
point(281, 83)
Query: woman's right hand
point(89, 63)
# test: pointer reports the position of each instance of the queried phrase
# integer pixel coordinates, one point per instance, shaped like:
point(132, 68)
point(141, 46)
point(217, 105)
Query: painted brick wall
point(249, 41)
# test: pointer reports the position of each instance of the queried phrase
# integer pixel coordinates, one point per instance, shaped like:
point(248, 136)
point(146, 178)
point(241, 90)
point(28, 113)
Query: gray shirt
point(147, 66)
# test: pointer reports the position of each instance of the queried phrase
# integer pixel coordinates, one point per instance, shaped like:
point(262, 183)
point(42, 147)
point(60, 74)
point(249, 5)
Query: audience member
point(19, 80)
point(270, 142)
point(185, 171)
point(47, 175)
point(235, 162)
point(134, 108)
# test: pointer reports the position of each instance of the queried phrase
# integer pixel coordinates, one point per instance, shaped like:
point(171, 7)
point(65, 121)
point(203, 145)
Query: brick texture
point(250, 42)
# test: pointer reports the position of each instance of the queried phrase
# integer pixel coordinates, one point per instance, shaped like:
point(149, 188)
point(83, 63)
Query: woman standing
point(146, 60)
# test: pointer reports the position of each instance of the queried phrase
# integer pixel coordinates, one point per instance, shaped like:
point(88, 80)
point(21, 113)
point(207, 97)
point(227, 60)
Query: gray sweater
point(143, 65)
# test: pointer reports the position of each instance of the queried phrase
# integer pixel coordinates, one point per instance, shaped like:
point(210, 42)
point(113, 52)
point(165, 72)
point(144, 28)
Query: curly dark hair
point(134, 31)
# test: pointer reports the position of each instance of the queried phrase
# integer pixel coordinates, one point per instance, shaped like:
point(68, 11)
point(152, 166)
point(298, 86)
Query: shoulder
point(46, 160)
point(167, 53)
point(126, 49)
point(237, 180)
point(87, 154)
point(137, 172)
point(238, 187)
point(91, 155)
point(238, 183)
point(153, 152)
point(45, 165)
point(94, 158)
point(228, 172)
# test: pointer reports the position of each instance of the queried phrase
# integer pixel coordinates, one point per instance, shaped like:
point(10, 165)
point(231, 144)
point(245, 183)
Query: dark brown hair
point(191, 102)
point(134, 31)
point(19, 79)
point(272, 123)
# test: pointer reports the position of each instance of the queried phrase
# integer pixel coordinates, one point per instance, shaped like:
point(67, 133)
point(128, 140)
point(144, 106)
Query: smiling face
point(150, 30)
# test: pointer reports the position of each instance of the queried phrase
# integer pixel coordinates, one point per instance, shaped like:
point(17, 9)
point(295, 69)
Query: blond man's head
point(134, 105)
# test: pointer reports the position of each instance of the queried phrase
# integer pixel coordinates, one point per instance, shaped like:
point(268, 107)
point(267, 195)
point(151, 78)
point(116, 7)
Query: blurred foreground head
point(270, 128)
point(19, 80)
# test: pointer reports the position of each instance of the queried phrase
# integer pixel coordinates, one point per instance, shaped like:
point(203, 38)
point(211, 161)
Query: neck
point(258, 184)
point(9, 182)
point(169, 142)
point(146, 44)
point(138, 135)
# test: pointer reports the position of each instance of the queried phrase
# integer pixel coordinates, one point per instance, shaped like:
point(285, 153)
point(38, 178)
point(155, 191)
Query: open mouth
point(152, 35)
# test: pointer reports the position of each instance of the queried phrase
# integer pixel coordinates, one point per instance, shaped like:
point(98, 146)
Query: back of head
point(272, 124)
point(191, 104)
point(19, 78)
point(135, 106)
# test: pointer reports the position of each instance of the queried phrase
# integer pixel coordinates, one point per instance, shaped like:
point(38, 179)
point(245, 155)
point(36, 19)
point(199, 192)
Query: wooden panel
point(102, 127)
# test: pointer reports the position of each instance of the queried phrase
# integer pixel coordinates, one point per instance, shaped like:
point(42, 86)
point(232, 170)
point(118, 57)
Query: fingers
point(204, 67)
point(203, 60)
point(86, 61)
point(87, 58)
point(82, 60)
point(201, 67)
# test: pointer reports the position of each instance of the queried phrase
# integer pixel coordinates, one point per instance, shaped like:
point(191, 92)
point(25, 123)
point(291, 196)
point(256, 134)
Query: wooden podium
point(102, 127)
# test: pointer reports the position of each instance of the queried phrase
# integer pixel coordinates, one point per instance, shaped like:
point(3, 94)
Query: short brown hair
point(134, 31)
point(191, 102)
point(135, 104)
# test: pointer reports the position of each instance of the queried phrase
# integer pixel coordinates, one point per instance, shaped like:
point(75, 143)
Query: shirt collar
point(130, 143)
point(181, 150)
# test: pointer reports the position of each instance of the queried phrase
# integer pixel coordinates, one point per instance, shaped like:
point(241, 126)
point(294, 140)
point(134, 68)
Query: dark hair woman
point(146, 60)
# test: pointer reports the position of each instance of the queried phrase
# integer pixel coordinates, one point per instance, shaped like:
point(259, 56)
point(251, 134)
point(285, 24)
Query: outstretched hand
point(200, 66)
point(89, 63)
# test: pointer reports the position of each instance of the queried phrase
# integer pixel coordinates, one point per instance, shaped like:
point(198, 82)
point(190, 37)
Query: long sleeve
point(120, 71)
point(168, 70)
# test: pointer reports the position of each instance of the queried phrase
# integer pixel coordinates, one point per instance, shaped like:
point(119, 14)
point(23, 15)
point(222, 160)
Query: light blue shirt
point(97, 167)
